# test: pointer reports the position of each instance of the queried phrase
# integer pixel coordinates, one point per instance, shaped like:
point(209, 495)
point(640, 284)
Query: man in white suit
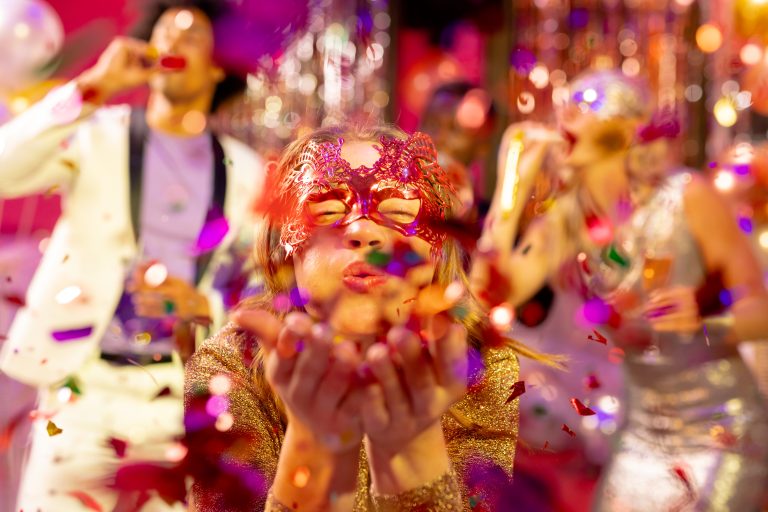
point(154, 207)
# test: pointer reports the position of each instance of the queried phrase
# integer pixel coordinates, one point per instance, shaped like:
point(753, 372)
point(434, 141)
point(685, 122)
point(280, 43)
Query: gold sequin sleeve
point(482, 430)
point(256, 418)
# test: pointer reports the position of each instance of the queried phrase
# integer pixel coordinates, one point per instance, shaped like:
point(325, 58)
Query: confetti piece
point(565, 428)
point(68, 294)
point(169, 307)
point(546, 445)
point(612, 254)
point(597, 337)
point(72, 384)
point(52, 429)
point(72, 334)
point(166, 391)
point(118, 445)
point(722, 436)
point(591, 382)
point(301, 477)
point(518, 388)
point(582, 409)
point(682, 475)
point(616, 355)
point(87, 500)
point(214, 230)
point(143, 338)
point(13, 299)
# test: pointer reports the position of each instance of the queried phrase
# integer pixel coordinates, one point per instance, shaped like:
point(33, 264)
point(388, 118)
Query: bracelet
point(440, 495)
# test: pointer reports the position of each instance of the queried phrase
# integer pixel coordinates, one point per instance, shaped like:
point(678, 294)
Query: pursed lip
point(363, 277)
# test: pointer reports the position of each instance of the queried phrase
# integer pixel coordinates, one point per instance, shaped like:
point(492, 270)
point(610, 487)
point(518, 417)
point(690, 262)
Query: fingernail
point(322, 332)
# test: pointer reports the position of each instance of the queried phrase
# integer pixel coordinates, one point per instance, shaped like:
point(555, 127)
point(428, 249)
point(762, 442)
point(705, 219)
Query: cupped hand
point(172, 297)
point(414, 385)
point(313, 375)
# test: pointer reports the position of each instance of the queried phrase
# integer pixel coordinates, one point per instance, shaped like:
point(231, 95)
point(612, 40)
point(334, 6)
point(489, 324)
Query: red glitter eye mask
point(406, 169)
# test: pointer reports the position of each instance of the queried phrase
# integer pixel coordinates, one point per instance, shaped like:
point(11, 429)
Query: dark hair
point(456, 90)
point(151, 11)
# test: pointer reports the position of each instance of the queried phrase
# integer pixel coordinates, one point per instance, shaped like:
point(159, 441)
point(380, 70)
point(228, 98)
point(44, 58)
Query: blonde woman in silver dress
point(695, 436)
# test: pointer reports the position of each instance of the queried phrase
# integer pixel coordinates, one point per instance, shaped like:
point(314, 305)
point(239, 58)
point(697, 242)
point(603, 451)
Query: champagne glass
point(657, 268)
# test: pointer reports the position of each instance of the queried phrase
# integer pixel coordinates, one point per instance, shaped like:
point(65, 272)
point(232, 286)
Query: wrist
point(308, 473)
point(719, 327)
point(420, 461)
point(93, 88)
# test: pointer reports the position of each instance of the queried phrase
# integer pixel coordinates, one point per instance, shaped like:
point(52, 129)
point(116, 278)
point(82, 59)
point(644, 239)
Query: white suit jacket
point(93, 242)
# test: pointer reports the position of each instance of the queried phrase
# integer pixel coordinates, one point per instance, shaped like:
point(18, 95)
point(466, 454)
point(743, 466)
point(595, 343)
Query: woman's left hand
point(674, 310)
point(414, 387)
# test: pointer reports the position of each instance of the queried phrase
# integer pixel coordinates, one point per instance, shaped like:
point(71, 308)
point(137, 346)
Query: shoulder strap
point(137, 136)
point(216, 209)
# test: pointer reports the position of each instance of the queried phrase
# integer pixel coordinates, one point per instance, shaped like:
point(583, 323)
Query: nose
point(365, 234)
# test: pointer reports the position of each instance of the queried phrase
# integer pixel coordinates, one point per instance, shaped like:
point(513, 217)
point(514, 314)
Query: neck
point(168, 116)
point(606, 184)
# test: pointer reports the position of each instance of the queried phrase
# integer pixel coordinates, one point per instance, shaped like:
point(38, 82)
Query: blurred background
point(463, 71)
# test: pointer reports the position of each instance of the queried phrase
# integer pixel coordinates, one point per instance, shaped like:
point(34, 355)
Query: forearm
point(749, 319)
point(328, 473)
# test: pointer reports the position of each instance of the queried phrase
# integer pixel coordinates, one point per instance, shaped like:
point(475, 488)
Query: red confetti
point(682, 475)
point(16, 300)
point(591, 382)
point(166, 391)
point(518, 388)
point(598, 337)
point(546, 445)
point(565, 428)
point(87, 500)
point(173, 62)
point(582, 409)
point(119, 446)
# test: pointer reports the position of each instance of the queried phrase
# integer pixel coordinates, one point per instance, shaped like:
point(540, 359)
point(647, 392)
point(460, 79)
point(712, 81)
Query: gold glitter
point(479, 426)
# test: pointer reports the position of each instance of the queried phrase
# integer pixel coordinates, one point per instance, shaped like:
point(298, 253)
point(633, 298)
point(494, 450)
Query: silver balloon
point(31, 34)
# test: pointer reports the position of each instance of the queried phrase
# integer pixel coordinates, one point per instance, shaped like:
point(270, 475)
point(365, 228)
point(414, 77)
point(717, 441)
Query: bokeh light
point(709, 38)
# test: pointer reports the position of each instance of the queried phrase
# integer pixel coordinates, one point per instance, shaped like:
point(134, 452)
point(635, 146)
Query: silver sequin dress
point(695, 436)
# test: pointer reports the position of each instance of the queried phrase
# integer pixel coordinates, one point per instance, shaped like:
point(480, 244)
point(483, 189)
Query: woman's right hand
point(125, 64)
point(313, 376)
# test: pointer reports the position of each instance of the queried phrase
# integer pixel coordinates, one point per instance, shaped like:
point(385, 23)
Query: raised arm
point(39, 148)
point(529, 264)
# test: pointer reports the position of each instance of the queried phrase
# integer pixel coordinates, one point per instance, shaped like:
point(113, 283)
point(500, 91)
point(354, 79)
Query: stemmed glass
point(657, 268)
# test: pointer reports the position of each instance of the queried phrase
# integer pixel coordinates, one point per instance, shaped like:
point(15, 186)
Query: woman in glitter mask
point(646, 245)
point(346, 384)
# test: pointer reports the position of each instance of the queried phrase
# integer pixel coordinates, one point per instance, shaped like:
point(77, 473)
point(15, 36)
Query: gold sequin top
point(482, 429)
